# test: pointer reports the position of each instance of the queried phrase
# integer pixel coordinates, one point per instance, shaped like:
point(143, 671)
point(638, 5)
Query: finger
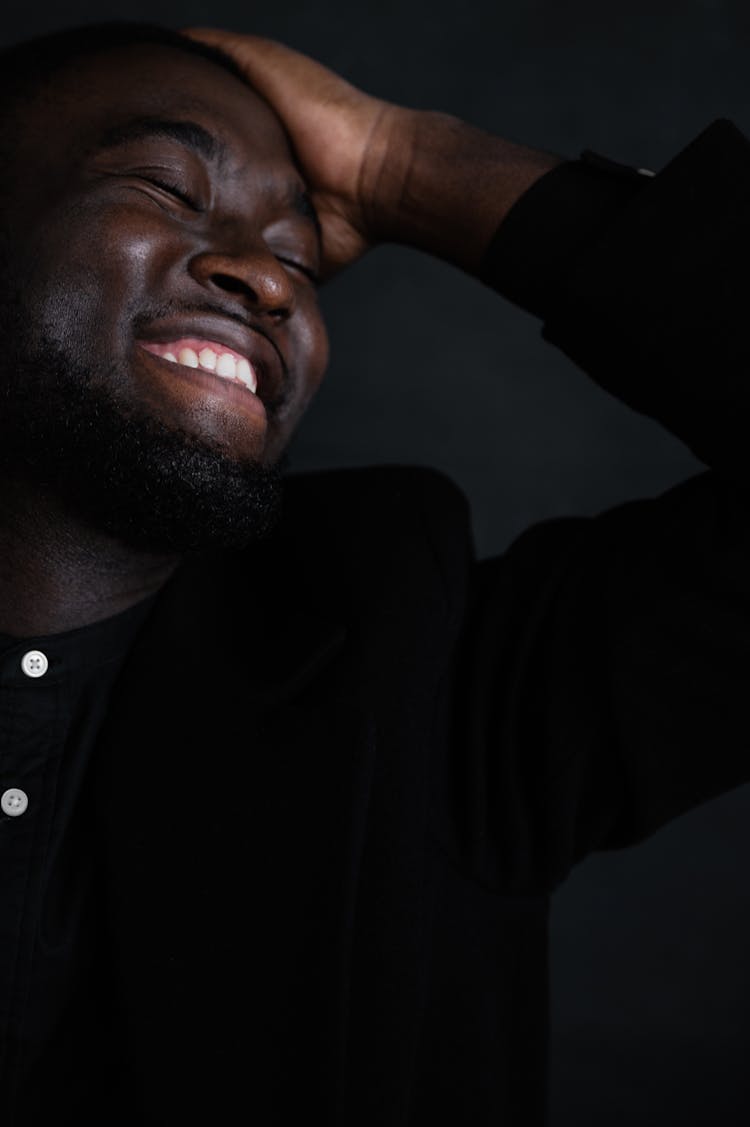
point(279, 73)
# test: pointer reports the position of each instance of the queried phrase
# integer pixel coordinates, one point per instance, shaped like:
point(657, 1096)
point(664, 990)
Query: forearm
point(638, 280)
point(444, 187)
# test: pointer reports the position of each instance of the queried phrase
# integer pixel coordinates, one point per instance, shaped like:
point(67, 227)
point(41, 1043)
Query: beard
point(65, 429)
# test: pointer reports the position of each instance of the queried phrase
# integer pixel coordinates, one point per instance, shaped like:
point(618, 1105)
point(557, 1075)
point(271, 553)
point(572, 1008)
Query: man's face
point(158, 221)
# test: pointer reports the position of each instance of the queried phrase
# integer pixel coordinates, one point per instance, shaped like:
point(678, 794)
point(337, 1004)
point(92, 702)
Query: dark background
point(651, 987)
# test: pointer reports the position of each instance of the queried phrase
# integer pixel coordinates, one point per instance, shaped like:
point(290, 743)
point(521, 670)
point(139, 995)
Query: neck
point(57, 575)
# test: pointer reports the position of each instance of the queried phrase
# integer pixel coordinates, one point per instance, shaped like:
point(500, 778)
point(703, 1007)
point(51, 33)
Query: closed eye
point(174, 190)
point(306, 270)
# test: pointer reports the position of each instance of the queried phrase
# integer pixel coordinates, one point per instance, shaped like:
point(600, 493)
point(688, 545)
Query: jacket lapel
point(232, 790)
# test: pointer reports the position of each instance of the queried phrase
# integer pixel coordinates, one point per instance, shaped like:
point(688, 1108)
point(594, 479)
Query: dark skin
point(243, 248)
point(226, 232)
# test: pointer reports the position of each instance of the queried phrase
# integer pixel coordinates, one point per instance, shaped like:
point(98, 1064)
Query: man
point(285, 793)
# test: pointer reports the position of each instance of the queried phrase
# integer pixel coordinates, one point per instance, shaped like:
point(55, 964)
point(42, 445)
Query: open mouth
point(207, 356)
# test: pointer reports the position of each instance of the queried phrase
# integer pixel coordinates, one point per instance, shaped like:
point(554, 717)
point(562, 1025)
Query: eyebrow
point(187, 133)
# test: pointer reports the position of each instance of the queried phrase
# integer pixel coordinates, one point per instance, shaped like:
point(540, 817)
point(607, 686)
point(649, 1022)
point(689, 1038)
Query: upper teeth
point(222, 363)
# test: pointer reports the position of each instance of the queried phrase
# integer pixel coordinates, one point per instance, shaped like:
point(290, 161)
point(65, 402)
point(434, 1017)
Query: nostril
point(232, 284)
point(270, 298)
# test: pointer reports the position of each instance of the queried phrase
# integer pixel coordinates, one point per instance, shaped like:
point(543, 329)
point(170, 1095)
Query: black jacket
point(342, 773)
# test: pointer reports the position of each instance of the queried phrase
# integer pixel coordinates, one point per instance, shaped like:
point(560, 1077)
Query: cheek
point(310, 348)
point(88, 269)
point(307, 354)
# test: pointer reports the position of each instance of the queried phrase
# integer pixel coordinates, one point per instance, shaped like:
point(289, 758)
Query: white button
point(34, 663)
point(14, 802)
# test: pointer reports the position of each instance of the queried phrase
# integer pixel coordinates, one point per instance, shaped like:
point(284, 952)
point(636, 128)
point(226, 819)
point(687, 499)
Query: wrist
point(434, 182)
point(385, 171)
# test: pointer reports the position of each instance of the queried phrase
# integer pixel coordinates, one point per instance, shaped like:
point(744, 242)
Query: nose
point(253, 273)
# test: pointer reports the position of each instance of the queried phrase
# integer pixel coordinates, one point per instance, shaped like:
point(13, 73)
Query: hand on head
point(345, 140)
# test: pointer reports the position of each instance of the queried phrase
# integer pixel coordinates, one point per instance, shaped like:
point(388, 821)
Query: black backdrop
point(651, 987)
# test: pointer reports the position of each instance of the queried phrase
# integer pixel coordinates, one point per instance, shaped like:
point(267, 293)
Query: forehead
point(100, 92)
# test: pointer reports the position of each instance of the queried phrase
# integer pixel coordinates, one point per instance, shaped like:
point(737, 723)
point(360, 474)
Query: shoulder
point(351, 503)
point(384, 485)
point(363, 524)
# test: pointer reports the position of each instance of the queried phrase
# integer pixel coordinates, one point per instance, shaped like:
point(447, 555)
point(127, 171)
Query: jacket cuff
point(563, 213)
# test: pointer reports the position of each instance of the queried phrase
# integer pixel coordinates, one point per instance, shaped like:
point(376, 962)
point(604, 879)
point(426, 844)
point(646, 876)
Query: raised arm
point(638, 278)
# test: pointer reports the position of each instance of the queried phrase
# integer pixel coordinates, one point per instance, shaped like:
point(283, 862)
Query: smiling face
point(160, 254)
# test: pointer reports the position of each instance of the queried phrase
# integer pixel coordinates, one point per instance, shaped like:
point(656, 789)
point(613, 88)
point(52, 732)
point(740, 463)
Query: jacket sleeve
point(603, 670)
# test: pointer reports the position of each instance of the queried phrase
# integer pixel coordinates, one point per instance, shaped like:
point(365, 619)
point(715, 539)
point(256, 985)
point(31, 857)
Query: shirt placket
point(31, 744)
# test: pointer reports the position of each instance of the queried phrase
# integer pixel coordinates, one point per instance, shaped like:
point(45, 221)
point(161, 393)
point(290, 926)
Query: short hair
point(27, 66)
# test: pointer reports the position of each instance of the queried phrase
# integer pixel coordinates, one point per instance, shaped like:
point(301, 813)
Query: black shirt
point(53, 697)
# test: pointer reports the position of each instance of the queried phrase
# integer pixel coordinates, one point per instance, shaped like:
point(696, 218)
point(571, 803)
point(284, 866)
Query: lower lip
point(235, 393)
